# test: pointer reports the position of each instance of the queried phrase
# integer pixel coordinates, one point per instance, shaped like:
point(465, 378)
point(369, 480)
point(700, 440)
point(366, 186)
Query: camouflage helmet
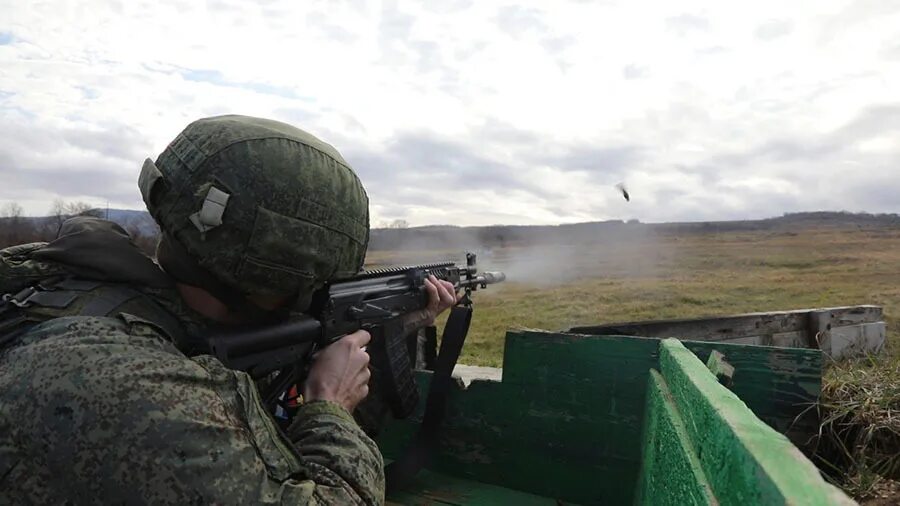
point(264, 207)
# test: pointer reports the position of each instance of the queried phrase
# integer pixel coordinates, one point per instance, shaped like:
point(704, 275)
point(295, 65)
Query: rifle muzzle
point(491, 277)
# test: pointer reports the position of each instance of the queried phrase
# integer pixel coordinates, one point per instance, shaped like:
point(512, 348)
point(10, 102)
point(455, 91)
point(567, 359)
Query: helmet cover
point(265, 207)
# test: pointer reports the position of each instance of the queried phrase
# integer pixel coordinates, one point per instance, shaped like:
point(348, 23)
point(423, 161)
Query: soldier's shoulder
point(102, 334)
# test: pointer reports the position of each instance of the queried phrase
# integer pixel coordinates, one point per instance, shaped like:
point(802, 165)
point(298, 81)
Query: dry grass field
point(715, 274)
point(677, 277)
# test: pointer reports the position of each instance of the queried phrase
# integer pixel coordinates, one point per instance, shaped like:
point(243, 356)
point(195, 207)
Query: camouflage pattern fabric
point(263, 206)
point(106, 410)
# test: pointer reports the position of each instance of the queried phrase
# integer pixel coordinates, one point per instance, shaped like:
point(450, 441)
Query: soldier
point(106, 395)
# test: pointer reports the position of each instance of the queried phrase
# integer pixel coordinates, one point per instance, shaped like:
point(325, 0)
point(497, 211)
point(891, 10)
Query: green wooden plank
point(671, 473)
point(433, 489)
point(491, 436)
point(780, 385)
point(566, 421)
point(745, 460)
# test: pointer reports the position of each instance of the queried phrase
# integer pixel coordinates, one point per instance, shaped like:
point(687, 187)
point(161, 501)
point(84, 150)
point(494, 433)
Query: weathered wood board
point(566, 420)
point(839, 331)
point(780, 385)
point(853, 340)
point(703, 446)
point(671, 473)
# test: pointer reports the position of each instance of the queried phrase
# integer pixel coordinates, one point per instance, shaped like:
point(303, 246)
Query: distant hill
point(438, 237)
point(448, 236)
point(130, 219)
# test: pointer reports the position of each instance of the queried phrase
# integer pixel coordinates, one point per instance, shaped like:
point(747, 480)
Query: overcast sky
point(474, 112)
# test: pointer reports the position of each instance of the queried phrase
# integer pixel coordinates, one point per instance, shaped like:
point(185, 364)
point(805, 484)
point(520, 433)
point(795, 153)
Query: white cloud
point(705, 109)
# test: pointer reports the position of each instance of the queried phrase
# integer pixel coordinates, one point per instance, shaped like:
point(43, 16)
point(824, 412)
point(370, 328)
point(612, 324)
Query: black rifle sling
point(400, 473)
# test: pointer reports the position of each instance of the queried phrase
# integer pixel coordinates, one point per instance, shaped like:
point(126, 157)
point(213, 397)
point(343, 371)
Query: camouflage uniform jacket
point(103, 410)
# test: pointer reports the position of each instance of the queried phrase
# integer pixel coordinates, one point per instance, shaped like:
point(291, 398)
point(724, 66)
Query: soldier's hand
point(340, 372)
point(441, 297)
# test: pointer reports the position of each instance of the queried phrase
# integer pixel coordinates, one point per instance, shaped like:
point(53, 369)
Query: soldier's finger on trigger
point(360, 338)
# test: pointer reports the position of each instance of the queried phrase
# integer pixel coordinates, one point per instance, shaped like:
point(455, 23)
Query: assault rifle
point(375, 301)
